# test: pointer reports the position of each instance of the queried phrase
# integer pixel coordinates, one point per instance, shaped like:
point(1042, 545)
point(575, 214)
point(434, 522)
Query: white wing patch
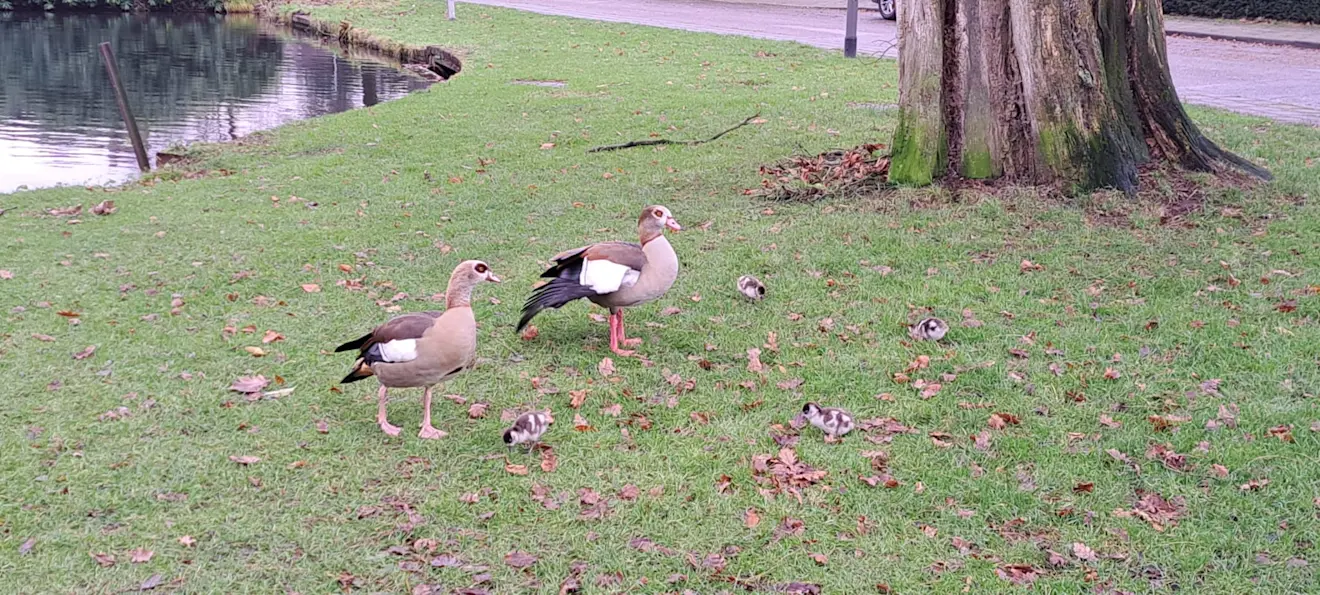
point(399, 350)
point(604, 276)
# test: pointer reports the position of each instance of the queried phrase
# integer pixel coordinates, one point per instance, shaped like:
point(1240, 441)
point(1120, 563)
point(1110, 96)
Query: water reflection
point(189, 78)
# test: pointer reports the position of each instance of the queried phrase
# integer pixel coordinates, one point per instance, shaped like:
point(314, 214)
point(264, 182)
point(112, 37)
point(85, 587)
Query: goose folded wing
point(396, 340)
point(610, 266)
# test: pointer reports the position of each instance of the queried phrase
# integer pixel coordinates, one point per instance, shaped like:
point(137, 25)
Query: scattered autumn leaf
point(754, 364)
point(187, 541)
point(1018, 574)
point(6, 274)
point(605, 367)
point(271, 337)
point(1112, 374)
point(104, 207)
point(85, 353)
point(578, 397)
point(245, 459)
point(249, 384)
point(581, 424)
point(751, 519)
point(1254, 485)
point(549, 462)
point(1282, 432)
point(519, 560)
point(103, 559)
point(516, 469)
point(255, 351)
point(311, 287)
point(1083, 552)
point(140, 555)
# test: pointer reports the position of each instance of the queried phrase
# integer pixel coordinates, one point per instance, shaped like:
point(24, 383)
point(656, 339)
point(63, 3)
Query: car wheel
point(887, 11)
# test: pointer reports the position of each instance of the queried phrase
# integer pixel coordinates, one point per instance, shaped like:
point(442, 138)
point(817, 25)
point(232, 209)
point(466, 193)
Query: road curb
point(1310, 45)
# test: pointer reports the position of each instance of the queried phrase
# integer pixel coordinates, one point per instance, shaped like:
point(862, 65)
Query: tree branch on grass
point(665, 141)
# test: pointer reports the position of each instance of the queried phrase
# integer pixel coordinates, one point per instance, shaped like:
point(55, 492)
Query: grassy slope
point(387, 181)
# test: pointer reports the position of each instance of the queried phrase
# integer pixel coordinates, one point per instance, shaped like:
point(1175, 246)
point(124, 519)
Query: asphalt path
point(1278, 82)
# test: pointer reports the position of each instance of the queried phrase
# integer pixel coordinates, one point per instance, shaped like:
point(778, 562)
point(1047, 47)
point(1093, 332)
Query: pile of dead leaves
point(784, 474)
point(832, 174)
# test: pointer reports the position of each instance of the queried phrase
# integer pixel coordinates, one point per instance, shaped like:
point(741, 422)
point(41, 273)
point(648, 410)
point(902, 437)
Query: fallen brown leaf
point(754, 364)
point(271, 337)
point(751, 519)
point(104, 207)
point(245, 459)
point(516, 469)
point(249, 384)
point(1254, 485)
point(104, 560)
point(1283, 433)
point(549, 462)
point(1018, 574)
point(140, 555)
point(519, 560)
point(605, 367)
point(85, 353)
point(311, 287)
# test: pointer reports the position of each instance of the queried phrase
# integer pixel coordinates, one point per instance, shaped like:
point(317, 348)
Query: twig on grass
point(665, 141)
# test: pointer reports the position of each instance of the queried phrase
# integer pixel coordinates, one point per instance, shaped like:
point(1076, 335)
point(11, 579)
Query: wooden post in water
point(452, 16)
point(850, 31)
point(108, 55)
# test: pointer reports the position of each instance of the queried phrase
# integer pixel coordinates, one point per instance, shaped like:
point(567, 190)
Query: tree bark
point(1071, 92)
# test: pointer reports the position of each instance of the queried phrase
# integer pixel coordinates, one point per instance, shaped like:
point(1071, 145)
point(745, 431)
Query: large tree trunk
point(1075, 92)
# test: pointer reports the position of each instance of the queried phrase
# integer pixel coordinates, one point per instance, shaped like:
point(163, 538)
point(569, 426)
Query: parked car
point(886, 8)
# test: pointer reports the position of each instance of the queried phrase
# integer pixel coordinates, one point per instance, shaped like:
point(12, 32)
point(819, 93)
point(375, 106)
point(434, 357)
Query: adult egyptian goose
point(612, 274)
point(422, 349)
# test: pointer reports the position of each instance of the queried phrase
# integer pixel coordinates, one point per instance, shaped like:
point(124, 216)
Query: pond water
point(189, 77)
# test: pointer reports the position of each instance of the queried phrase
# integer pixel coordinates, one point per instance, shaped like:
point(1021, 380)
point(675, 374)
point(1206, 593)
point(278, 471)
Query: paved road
point(1273, 81)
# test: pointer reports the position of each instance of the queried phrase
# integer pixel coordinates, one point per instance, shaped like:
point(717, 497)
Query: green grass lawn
point(1127, 328)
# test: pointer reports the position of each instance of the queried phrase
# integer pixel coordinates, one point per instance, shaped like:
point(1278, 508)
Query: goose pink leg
point(616, 333)
point(428, 431)
point(623, 339)
point(380, 414)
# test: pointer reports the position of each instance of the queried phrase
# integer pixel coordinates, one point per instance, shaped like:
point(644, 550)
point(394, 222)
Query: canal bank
point(190, 76)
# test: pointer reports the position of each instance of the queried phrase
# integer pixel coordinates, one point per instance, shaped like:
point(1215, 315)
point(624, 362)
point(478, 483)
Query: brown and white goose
point(612, 274)
point(422, 349)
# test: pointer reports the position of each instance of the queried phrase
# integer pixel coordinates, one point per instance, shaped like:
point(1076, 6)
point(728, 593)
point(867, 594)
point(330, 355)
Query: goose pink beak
point(492, 278)
point(672, 224)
